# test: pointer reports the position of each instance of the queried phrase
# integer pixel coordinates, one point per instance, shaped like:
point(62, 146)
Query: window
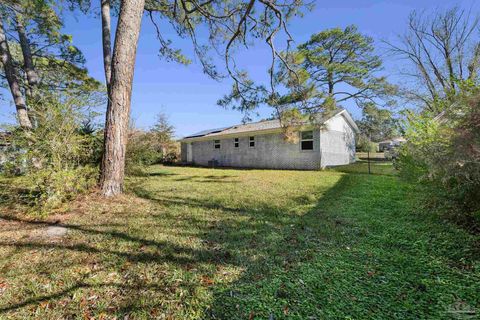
point(251, 142)
point(216, 144)
point(236, 143)
point(307, 140)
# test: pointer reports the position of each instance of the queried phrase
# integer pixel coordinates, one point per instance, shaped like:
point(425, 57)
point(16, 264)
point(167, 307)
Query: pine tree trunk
point(106, 41)
point(32, 76)
point(118, 110)
point(12, 79)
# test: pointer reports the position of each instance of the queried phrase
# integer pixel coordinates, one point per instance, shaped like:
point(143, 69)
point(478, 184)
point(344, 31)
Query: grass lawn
point(191, 243)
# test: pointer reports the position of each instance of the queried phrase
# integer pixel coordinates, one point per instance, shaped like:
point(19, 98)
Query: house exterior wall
point(183, 152)
point(270, 151)
point(334, 144)
point(337, 142)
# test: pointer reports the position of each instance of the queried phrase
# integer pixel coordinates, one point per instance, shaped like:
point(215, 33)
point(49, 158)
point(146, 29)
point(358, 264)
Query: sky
point(189, 97)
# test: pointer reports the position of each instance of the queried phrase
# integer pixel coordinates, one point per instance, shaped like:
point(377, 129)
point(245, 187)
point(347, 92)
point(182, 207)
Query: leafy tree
point(41, 59)
point(377, 124)
point(442, 153)
point(365, 144)
point(334, 66)
point(163, 130)
point(438, 52)
point(150, 147)
point(56, 156)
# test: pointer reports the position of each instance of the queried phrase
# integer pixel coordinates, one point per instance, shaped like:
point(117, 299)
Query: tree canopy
point(377, 124)
point(40, 60)
point(335, 65)
point(440, 51)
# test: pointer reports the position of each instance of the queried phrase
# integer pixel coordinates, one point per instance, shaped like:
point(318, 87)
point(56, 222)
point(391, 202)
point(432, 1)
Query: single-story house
point(262, 145)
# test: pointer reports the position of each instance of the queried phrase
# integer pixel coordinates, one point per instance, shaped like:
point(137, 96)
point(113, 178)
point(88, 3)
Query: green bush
point(366, 145)
point(443, 154)
point(142, 151)
point(49, 188)
point(56, 159)
point(147, 148)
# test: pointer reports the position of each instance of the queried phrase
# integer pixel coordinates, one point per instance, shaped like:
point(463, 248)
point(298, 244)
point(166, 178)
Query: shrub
point(50, 188)
point(142, 151)
point(443, 153)
point(55, 158)
point(365, 145)
point(151, 147)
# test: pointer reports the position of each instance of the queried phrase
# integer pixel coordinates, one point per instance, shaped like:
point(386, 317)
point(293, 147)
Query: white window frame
point(217, 143)
point(306, 140)
point(236, 142)
point(250, 140)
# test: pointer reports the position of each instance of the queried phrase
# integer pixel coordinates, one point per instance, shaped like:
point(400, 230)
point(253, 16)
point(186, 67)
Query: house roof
point(265, 125)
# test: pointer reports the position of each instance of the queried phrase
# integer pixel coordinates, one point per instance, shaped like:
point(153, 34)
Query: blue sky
point(189, 97)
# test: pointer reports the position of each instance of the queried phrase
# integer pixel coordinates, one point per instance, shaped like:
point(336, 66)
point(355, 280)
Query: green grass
point(361, 166)
point(244, 244)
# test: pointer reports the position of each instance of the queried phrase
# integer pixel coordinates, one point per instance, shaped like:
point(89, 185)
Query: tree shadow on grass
point(350, 254)
point(360, 252)
point(209, 179)
point(161, 174)
point(98, 244)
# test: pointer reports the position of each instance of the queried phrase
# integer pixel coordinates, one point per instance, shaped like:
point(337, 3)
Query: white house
point(261, 144)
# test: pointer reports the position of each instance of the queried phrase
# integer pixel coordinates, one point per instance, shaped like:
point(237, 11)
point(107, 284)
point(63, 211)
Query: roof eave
point(207, 137)
point(350, 120)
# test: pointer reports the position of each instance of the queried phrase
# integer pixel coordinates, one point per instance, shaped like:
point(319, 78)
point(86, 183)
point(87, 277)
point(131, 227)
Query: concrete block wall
point(183, 152)
point(270, 151)
point(334, 145)
point(337, 143)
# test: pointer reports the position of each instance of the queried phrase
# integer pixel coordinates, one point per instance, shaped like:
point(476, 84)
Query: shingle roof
point(250, 127)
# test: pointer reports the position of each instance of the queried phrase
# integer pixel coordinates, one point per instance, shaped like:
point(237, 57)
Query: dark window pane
point(307, 135)
point(252, 143)
point(252, 138)
point(217, 146)
point(307, 145)
point(236, 139)
point(236, 144)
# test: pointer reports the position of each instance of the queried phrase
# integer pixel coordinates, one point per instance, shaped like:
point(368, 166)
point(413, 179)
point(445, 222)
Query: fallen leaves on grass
point(207, 281)
point(3, 285)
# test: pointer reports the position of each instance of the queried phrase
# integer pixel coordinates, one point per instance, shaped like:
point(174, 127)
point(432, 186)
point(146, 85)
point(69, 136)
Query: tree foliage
point(334, 66)
point(377, 124)
point(55, 153)
point(443, 153)
point(57, 158)
point(150, 147)
point(45, 59)
point(163, 129)
point(438, 51)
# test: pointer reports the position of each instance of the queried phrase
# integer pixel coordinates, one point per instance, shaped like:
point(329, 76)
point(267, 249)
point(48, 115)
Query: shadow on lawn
point(209, 179)
point(268, 243)
point(226, 242)
point(270, 246)
point(277, 250)
point(144, 251)
point(369, 265)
